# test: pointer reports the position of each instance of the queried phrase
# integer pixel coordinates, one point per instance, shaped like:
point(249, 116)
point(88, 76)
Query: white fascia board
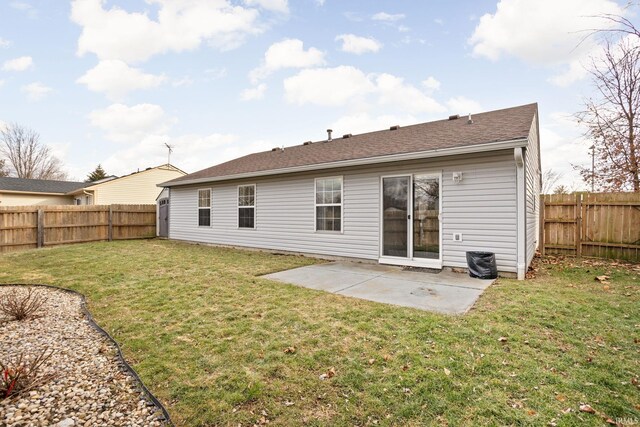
point(478, 148)
point(32, 193)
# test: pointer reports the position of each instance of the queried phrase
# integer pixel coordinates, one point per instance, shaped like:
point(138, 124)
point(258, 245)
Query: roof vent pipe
point(469, 120)
point(329, 134)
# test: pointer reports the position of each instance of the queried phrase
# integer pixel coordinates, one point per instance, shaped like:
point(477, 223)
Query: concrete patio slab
point(444, 292)
point(319, 278)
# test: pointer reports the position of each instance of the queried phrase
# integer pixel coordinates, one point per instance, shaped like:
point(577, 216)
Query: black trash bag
point(482, 265)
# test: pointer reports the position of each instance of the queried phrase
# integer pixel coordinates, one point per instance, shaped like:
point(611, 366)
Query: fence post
point(110, 223)
point(542, 225)
point(579, 225)
point(40, 237)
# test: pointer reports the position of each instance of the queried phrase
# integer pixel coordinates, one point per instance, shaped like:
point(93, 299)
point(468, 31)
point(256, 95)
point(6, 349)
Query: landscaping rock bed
point(90, 387)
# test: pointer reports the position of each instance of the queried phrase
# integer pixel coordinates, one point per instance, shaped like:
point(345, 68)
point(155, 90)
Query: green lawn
point(208, 335)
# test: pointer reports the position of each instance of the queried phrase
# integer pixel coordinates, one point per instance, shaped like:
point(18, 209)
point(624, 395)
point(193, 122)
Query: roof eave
point(476, 148)
point(80, 190)
point(40, 193)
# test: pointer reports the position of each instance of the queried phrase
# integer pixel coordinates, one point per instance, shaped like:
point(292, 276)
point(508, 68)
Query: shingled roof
point(38, 185)
point(489, 127)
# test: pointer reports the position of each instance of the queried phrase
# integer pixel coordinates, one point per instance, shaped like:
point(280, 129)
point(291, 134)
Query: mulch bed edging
point(120, 355)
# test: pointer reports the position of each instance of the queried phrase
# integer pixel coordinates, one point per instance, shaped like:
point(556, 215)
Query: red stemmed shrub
point(20, 306)
point(22, 374)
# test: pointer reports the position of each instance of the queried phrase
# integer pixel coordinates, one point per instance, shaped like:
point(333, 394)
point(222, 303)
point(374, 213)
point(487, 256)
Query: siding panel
point(137, 188)
point(532, 195)
point(482, 207)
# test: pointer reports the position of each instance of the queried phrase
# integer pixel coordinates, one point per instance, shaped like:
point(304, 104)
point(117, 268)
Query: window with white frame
point(247, 206)
point(204, 208)
point(329, 204)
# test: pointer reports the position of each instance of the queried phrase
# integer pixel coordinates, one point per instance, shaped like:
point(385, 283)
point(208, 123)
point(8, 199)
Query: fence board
point(601, 225)
point(23, 227)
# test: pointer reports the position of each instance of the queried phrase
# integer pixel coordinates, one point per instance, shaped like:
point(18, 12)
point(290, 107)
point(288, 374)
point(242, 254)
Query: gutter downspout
point(521, 243)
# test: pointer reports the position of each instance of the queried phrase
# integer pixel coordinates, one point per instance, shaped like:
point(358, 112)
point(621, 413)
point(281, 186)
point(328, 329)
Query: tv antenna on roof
point(170, 148)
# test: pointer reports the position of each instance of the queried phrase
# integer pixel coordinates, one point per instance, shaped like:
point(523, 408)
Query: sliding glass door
point(395, 211)
point(426, 217)
point(411, 219)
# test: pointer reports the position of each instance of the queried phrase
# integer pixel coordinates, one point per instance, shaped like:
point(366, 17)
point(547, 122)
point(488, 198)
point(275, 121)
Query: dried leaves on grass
point(22, 374)
point(19, 306)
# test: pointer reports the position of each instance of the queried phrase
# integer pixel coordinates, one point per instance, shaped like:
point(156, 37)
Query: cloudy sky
point(111, 81)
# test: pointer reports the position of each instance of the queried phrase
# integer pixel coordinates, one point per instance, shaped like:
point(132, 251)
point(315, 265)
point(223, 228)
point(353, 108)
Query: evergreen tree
point(97, 174)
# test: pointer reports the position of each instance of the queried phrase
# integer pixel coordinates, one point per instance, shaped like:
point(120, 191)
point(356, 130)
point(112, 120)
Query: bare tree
point(27, 157)
point(561, 189)
point(3, 168)
point(612, 117)
point(549, 180)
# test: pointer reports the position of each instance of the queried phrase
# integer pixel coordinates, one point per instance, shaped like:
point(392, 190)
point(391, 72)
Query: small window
point(204, 208)
point(247, 206)
point(329, 204)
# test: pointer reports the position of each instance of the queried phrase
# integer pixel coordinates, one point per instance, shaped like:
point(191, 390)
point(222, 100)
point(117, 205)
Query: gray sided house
point(419, 195)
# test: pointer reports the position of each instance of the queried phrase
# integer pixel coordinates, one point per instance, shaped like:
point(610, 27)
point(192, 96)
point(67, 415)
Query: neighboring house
point(419, 195)
point(24, 192)
point(137, 188)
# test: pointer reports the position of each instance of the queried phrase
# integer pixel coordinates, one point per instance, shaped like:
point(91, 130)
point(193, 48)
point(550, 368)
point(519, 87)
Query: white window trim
point(316, 205)
point(255, 207)
point(210, 207)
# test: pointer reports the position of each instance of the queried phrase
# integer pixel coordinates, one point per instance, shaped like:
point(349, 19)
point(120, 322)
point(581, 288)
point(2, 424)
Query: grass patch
point(208, 335)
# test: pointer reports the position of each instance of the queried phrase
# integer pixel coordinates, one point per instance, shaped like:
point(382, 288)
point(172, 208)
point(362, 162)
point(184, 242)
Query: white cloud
point(409, 40)
point(344, 85)
point(327, 86)
point(1, 83)
point(544, 32)
point(116, 79)
point(22, 63)
point(253, 93)
point(287, 53)
point(562, 144)
point(358, 45)
point(463, 105)
point(438, 21)
point(190, 152)
point(181, 25)
point(281, 6)
point(4, 43)
point(387, 17)
point(431, 84)
point(576, 71)
point(185, 81)
point(143, 129)
point(215, 73)
point(123, 123)
point(319, 2)
point(393, 91)
point(31, 11)
point(36, 91)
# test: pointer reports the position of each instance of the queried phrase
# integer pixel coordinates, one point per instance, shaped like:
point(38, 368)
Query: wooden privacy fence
point(25, 227)
point(426, 229)
point(602, 225)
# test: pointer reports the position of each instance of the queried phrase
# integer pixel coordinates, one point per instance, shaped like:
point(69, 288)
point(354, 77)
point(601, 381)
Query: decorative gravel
point(90, 388)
